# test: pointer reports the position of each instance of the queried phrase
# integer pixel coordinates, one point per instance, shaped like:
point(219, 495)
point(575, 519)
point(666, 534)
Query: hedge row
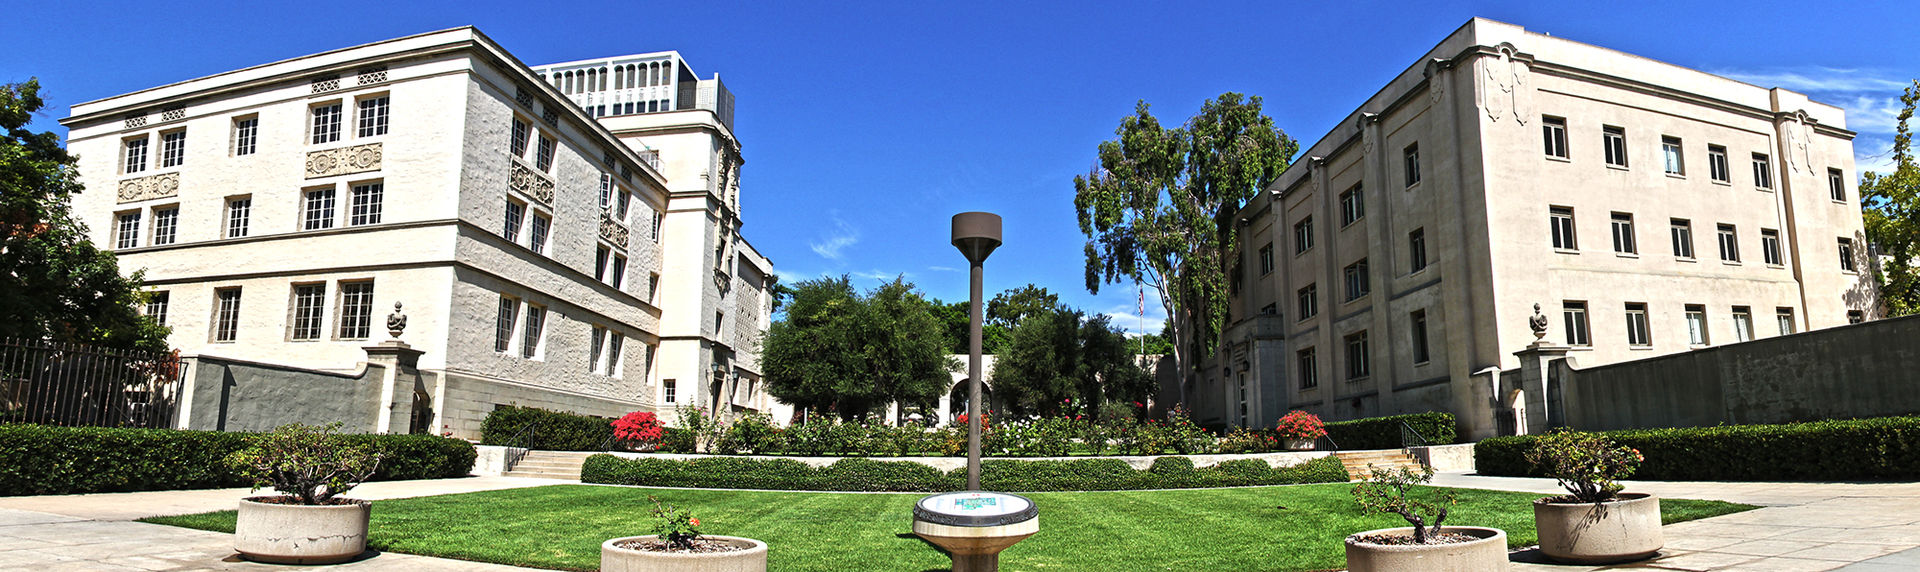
point(1886, 448)
point(1384, 432)
point(47, 460)
point(861, 474)
point(557, 431)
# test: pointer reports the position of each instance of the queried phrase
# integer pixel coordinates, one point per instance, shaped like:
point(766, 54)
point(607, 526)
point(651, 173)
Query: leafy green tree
point(54, 283)
point(904, 346)
point(841, 350)
point(1006, 309)
point(1890, 205)
point(1158, 209)
point(1065, 362)
point(954, 317)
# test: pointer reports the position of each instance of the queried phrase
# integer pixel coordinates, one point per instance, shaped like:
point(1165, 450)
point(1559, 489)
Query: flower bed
point(862, 474)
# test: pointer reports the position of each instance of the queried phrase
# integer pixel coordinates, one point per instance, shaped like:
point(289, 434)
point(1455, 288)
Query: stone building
point(545, 255)
point(1647, 209)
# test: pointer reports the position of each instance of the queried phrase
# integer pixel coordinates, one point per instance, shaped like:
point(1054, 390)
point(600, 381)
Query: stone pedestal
point(400, 378)
point(1541, 400)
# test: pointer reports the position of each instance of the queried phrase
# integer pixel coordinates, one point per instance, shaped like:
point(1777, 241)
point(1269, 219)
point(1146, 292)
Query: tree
point(1062, 361)
point(841, 350)
point(1158, 209)
point(904, 346)
point(54, 283)
point(1890, 206)
point(956, 319)
point(1006, 309)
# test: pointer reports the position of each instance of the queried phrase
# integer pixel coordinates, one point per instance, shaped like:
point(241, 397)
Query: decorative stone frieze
point(522, 97)
point(175, 113)
point(343, 161)
point(136, 120)
point(614, 232)
point(150, 187)
point(326, 83)
point(373, 75)
point(533, 184)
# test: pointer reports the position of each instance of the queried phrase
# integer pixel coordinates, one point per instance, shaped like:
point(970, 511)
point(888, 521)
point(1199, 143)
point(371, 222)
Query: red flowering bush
point(642, 426)
point(1300, 425)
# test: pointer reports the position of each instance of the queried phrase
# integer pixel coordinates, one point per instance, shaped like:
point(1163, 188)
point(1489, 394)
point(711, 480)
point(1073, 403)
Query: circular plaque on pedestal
point(974, 508)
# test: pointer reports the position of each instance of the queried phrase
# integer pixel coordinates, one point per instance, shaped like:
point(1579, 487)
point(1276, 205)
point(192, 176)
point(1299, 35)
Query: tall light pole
point(976, 234)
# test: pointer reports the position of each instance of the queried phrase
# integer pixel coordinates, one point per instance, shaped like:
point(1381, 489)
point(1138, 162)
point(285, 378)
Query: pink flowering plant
point(674, 526)
point(1298, 424)
point(1587, 464)
point(641, 426)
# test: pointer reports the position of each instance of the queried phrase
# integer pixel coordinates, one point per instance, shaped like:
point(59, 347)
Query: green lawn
point(1263, 528)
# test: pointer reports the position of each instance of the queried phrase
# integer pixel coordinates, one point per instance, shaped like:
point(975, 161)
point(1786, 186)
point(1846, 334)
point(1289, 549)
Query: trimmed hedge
point(1384, 432)
point(557, 432)
point(861, 474)
point(48, 460)
point(1885, 448)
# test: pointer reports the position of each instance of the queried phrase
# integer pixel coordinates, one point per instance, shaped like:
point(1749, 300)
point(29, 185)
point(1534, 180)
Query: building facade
point(280, 212)
point(1647, 209)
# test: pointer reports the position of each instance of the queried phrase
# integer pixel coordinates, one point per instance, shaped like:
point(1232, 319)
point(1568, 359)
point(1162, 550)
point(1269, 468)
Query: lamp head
point(976, 234)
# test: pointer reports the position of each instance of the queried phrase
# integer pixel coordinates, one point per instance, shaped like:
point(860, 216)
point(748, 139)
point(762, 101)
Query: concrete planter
point(752, 559)
point(1299, 444)
point(1620, 530)
point(299, 534)
point(1488, 553)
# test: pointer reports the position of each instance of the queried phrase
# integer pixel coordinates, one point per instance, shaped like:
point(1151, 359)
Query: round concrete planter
point(1620, 530)
point(300, 534)
point(1488, 553)
point(1299, 444)
point(752, 559)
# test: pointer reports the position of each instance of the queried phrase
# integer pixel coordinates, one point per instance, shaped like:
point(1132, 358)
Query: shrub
point(409, 457)
point(1398, 492)
point(1243, 440)
point(308, 464)
point(859, 474)
point(678, 528)
point(1384, 432)
point(1885, 448)
point(1587, 464)
point(752, 433)
point(556, 432)
point(677, 441)
point(1298, 424)
point(641, 426)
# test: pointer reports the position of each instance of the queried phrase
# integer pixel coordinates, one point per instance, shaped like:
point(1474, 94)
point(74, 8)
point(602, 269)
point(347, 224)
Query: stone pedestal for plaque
point(974, 526)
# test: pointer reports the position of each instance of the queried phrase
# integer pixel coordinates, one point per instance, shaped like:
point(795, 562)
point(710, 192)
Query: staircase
point(550, 465)
point(1357, 462)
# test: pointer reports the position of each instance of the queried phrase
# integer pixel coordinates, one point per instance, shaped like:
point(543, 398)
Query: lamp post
point(976, 234)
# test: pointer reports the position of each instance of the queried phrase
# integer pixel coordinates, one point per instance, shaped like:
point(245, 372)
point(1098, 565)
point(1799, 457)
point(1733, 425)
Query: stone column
point(399, 364)
point(1535, 363)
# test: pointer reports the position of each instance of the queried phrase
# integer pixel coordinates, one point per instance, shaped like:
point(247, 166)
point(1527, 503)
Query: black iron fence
point(53, 383)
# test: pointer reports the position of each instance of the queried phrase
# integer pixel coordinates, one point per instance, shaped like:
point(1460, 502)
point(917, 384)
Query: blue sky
point(866, 125)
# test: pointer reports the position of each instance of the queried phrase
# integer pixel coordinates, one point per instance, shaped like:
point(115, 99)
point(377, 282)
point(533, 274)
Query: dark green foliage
point(858, 474)
point(1384, 432)
point(839, 349)
point(44, 460)
point(557, 431)
point(1885, 448)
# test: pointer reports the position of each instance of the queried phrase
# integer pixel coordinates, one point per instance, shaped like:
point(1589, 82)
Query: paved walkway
point(1855, 527)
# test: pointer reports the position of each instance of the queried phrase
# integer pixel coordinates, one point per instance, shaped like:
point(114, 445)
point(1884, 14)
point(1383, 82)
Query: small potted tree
point(1420, 546)
point(1594, 523)
point(308, 522)
point(677, 545)
point(640, 431)
point(1298, 430)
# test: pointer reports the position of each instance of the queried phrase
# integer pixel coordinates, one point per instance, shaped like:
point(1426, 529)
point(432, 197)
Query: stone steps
point(550, 465)
point(1360, 463)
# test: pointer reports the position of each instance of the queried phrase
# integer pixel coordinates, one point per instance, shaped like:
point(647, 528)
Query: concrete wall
point(1862, 370)
point(234, 395)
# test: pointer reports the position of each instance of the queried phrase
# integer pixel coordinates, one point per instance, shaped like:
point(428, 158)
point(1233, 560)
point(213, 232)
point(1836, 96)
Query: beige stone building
point(1646, 208)
point(549, 250)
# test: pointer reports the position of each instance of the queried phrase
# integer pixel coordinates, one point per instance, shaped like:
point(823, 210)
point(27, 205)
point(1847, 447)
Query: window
point(619, 278)
point(537, 232)
point(173, 148)
point(1856, 316)
point(646, 367)
point(166, 225)
point(1575, 317)
point(515, 212)
point(372, 117)
point(1413, 164)
point(239, 211)
point(1770, 246)
point(658, 219)
point(1696, 324)
point(1785, 317)
point(326, 123)
point(1637, 332)
point(1357, 356)
point(623, 202)
point(226, 314)
point(1561, 219)
point(1353, 206)
point(653, 285)
point(1615, 141)
point(1836, 185)
point(543, 156)
point(1623, 234)
point(1554, 132)
point(1846, 254)
point(1418, 323)
point(533, 332)
point(246, 135)
point(1357, 280)
point(135, 156)
point(1309, 374)
point(1670, 156)
point(601, 255)
point(1682, 238)
point(309, 300)
point(606, 190)
point(365, 201)
point(318, 213)
point(1717, 164)
point(599, 336)
point(614, 343)
point(1742, 324)
point(719, 321)
point(1303, 235)
point(503, 326)
point(1309, 302)
point(157, 307)
point(1417, 250)
point(1729, 244)
point(1266, 259)
point(1762, 171)
point(517, 145)
point(128, 233)
point(356, 310)
point(667, 390)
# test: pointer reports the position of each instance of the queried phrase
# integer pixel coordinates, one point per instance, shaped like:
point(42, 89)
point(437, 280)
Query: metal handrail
point(1331, 444)
point(525, 436)
point(1407, 431)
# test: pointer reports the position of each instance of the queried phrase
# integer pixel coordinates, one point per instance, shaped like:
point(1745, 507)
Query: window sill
point(1723, 183)
point(1584, 348)
point(1422, 363)
point(1732, 263)
point(1764, 189)
point(1415, 185)
point(1421, 270)
point(1566, 251)
point(1355, 379)
point(1627, 254)
point(1686, 259)
point(1777, 266)
point(1692, 346)
point(1680, 176)
point(1850, 272)
point(1558, 158)
point(1648, 347)
point(1839, 202)
point(1618, 167)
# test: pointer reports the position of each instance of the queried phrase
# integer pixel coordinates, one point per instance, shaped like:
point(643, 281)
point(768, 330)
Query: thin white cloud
point(943, 269)
point(842, 236)
point(1820, 79)
point(879, 275)
point(1134, 325)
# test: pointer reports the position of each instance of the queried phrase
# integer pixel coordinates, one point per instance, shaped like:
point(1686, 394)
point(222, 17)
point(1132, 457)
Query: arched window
point(653, 75)
point(568, 87)
point(666, 73)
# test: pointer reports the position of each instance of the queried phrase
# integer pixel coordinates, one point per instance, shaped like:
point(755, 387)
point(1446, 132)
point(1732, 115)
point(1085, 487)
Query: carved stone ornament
point(612, 231)
point(396, 322)
point(532, 183)
point(344, 160)
point(150, 187)
point(1506, 85)
point(1539, 324)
